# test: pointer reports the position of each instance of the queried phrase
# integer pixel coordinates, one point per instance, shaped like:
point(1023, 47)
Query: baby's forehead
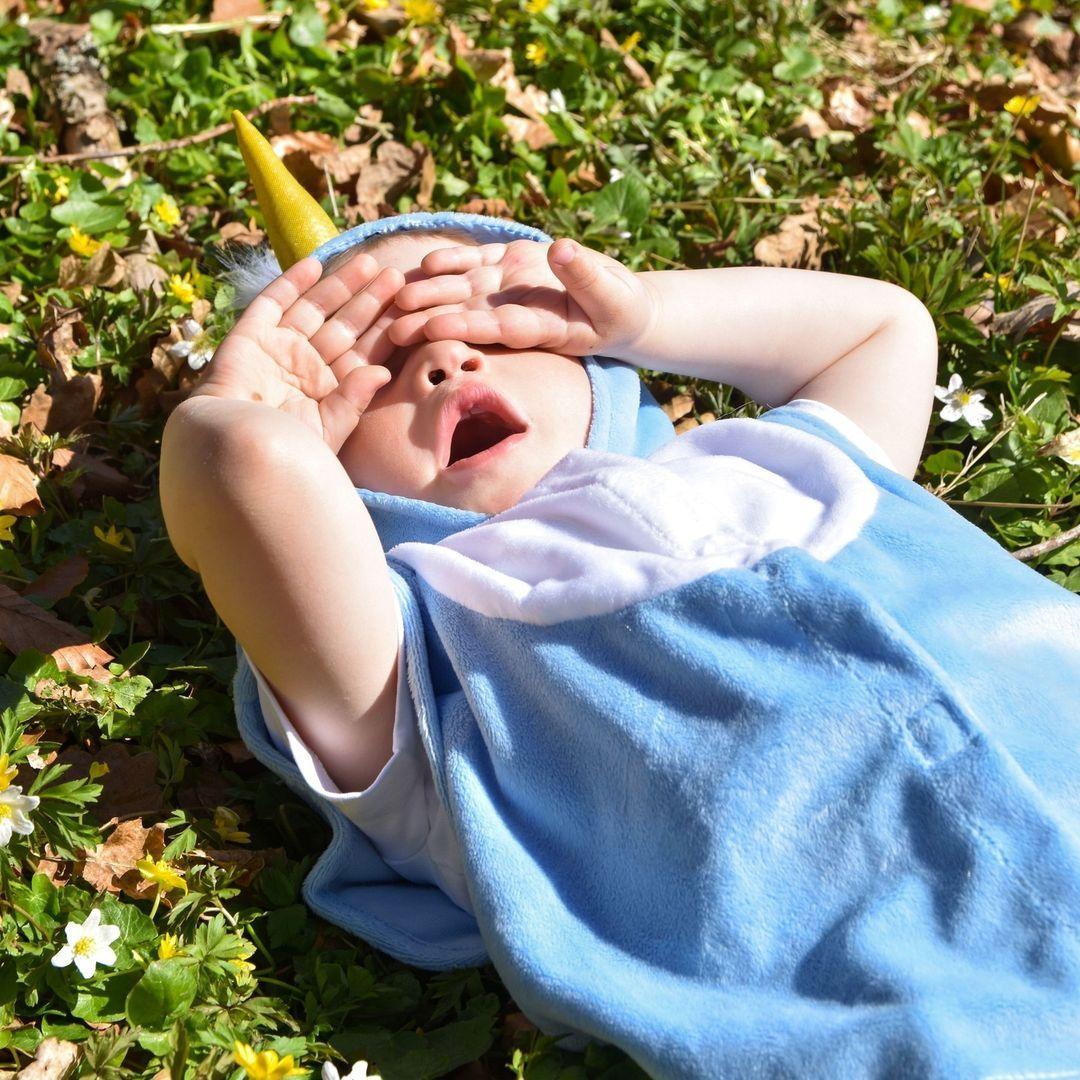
point(404, 250)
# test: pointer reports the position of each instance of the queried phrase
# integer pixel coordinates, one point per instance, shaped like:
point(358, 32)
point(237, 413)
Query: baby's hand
point(525, 295)
point(312, 347)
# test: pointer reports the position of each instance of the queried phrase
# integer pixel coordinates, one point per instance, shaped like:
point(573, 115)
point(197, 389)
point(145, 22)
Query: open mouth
point(477, 431)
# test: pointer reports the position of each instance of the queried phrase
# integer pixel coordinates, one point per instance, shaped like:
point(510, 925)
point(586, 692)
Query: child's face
point(531, 408)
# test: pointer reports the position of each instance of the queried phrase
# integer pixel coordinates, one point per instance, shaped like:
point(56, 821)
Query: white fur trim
point(248, 269)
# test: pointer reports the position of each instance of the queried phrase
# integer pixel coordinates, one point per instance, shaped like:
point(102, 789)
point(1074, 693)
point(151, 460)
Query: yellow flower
point(161, 873)
point(169, 946)
point(376, 5)
point(7, 772)
point(244, 969)
point(265, 1065)
point(225, 822)
point(1022, 106)
point(630, 44)
point(422, 11)
point(6, 521)
point(183, 288)
point(63, 189)
point(168, 211)
point(98, 768)
point(114, 538)
point(536, 53)
point(1004, 281)
point(536, 7)
point(82, 244)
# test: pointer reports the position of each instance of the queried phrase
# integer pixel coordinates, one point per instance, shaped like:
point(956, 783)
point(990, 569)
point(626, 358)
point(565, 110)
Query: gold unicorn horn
point(295, 222)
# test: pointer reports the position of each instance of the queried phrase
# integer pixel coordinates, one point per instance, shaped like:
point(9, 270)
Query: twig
point(272, 18)
point(1055, 542)
point(160, 147)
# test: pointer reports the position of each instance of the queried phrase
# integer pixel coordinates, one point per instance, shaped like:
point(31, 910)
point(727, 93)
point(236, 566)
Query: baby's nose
point(446, 358)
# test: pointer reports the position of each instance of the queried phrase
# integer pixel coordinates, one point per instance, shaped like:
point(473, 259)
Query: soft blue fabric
point(800, 819)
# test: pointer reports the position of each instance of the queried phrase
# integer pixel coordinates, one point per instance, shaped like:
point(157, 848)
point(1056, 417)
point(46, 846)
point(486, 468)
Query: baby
point(717, 747)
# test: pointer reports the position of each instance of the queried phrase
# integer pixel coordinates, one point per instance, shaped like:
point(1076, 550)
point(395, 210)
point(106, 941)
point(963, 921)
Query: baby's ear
point(247, 269)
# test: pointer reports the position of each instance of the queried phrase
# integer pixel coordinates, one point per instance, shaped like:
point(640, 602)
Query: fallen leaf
point(66, 406)
point(104, 269)
point(344, 164)
point(18, 487)
point(846, 107)
point(396, 167)
point(635, 70)
point(488, 207)
point(1067, 443)
point(58, 580)
point(800, 240)
point(297, 150)
point(236, 232)
point(55, 868)
point(534, 133)
point(24, 625)
point(249, 862)
point(53, 1060)
point(117, 856)
point(129, 789)
point(1035, 318)
point(678, 406)
point(807, 125)
point(63, 335)
point(224, 10)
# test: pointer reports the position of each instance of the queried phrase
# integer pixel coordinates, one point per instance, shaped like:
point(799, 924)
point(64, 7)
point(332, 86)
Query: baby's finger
point(372, 347)
point(430, 292)
point(272, 303)
point(512, 325)
point(339, 334)
point(409, 329)
point(458, 260)
point(342, 407)
point(310, 310)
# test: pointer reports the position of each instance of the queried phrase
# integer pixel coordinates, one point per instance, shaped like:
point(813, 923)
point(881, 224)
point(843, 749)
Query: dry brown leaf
point(237, 750)
point(1067, 443)
point(846, 107)
point(55, 868)
point(18, 487)
point(427, 180)
point(236, 232)
point(63, 335)
point(807, 125)
point(223, 10)
point(688, 423)
point(129, 788)
point(24, 625)
point(59, 579)
point(104, 269)
point(635, 70)
point(66, 406)
point(799, 242)
point(53, 1060)
point(96, 477)
point(13, 290)
point(250, 862)
point(395, 168)
point(344, 164)
point(488, 207)
point(119, 853)
point(1035, 318)
point(17, 82)
point(297, 149)
point(678, 406)
point(534, 133)
point(143, 274)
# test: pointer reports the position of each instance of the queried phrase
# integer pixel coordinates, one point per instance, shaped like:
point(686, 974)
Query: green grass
point(937, 201)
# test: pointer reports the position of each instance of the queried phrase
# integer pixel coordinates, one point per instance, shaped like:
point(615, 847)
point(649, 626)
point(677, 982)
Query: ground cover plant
point(150, 869)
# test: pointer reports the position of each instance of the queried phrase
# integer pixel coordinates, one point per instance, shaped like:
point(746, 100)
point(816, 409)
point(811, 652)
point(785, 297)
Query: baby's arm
point(261, 508)
point(257, 502)
point(864, 346)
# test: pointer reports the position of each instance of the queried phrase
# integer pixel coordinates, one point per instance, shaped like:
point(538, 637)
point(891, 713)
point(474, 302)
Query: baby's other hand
point(312, 347)
point(525, 295)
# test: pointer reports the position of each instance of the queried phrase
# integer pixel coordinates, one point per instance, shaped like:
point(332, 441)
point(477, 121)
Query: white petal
point(199, 359)
point(329, 1071)
point(92, 919)
point(615, 174)
point(190, 328)
point(63, 957)
point(940, 393)
point(179, 350)
point(85, 964)
point(22, 825)
point(73, 931)
point(103, 954)
point(108, 932)
point(950, 413)
point(556, 104)
point(5, 831)
point(955, 383)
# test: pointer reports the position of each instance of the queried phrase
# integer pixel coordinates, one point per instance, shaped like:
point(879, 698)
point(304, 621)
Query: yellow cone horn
point(295, 222)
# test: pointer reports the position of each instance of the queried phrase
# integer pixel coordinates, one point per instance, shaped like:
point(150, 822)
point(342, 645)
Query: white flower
point(35, 760)
point(962, 403)
point(13, 807)
point(358, 1072)
point(88, 944)
point(759, 183)
point(195, 347)
point(615, 174)
point(934, 13)
point(556, 101)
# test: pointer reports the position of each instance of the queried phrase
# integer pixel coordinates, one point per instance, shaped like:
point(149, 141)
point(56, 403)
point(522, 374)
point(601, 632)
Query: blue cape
point(762, 760)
